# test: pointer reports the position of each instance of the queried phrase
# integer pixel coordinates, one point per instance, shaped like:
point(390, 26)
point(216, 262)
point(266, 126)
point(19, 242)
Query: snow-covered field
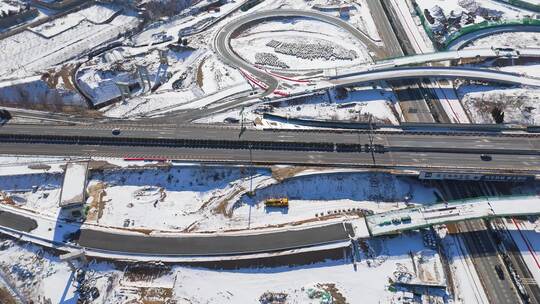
point(210, 198)
point(215, 198)
point(519, 104)
point(300, 44)
point(57, 41)
point(354, 105)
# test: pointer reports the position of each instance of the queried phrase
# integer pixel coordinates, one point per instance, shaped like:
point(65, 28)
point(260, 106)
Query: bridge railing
point(485, 25)
point(523, 4)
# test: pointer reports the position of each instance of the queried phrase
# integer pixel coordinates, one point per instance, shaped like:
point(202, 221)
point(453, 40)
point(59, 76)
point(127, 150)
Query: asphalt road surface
point(395, 140)
point(224, 50)
point(392, 47)
point(410, 96)
point(518, 164)
point(215, 244)
point(515, 255)
point(485, 257)
point(17, 222)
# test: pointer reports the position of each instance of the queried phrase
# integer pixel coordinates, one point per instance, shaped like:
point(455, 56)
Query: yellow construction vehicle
point(277, 202)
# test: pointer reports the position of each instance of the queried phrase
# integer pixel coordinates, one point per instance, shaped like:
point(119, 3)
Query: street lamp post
point(370, 134)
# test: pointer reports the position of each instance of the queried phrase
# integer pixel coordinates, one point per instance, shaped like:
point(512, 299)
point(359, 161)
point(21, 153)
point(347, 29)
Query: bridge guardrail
point(485, 25)
point(523, 4)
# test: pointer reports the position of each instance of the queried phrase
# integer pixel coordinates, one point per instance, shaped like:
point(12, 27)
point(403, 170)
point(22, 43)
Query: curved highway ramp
point(434, 72)
point(214, 244)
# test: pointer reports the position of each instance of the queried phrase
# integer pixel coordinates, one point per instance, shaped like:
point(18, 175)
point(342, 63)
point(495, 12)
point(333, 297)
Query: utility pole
point(241, 123)
point(242, 118)
point(250, 180)
point(250, 168)
point(370, 134)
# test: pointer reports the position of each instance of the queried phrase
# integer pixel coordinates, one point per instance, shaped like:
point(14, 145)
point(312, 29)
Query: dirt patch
point(139, 230)
point(6, 298)
point(95, 209)
point(282, 173)
point(334, 292)
point(145, 272)
point(452, 228)
point(136, 275)
point(39, 167)
point(192, 227)
point(200, 75)
point(100, 165)
point(221, 207)
point(156, 295)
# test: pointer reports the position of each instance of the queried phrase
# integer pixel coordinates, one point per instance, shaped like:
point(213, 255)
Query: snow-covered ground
point(33, 50)
point(168, 199)
point(354, 105)
point(318, 195)
point(191, 79)
point(476, 6)
point(513, 40)
point(368, 284)
point(299, 43)
point(214, 198)
point(36, 274)
point(519, 104)
point(10, 6)
point(210, 198)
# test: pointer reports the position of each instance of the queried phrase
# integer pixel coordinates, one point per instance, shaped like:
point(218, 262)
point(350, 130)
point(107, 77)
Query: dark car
point(500, 272)
point(486, 157)
point(116, 132)
point(4, 114)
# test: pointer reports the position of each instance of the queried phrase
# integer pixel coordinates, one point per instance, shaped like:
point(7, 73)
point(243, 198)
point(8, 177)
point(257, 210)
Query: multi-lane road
point(511, 154)
point(485, 256)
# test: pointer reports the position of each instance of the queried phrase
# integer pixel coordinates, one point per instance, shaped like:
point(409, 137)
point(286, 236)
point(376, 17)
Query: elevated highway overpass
point(512, 153)
point(383, 70)
point(483, 53)
point(434, 72)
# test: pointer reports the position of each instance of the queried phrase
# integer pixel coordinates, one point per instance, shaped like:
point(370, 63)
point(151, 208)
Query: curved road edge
point(119, 244)
point(223, 48)
point(463, 41)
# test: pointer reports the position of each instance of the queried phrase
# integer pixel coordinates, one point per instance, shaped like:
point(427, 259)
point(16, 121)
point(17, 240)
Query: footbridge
point(414, 218)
